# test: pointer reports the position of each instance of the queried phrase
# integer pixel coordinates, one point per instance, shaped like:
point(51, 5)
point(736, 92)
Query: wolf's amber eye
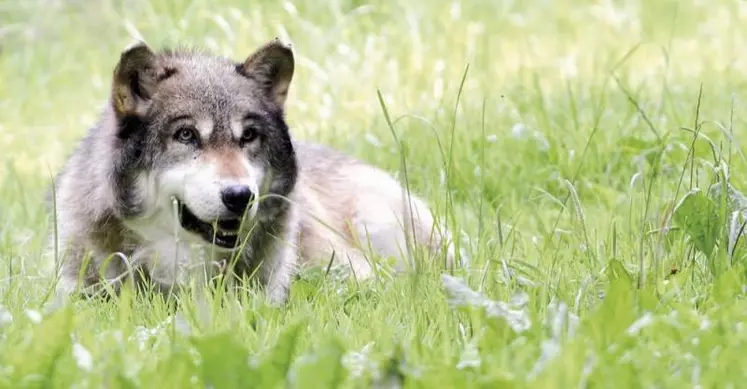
point(249, 135)
point(186, 136)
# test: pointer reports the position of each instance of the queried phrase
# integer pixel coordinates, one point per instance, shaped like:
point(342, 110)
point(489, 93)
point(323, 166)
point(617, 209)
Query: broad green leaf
point(274, 365)
point(322, 369)
point(616, 271)
point(48, 344)
point(615, 313)
point(123, 382)
point(697, 216)
point(728, 285)
point(225, 361)
point(176, 369)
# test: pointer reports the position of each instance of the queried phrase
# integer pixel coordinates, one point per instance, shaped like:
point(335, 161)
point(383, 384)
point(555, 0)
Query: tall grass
point(556, 138)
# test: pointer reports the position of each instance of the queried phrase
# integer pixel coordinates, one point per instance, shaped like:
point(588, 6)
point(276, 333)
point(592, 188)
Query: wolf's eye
point(249, 135)
point(186, 136)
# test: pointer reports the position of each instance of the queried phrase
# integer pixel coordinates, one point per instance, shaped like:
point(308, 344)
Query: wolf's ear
point(134, 80)
point(272, 67)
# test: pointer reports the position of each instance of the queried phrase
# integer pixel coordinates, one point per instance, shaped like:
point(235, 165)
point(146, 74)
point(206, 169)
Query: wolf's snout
point(236, 198)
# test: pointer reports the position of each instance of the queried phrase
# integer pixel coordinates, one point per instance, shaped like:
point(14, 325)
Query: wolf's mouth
point(225, 236)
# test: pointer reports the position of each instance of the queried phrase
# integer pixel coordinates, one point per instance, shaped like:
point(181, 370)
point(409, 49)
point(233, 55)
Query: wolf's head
point(205, 132)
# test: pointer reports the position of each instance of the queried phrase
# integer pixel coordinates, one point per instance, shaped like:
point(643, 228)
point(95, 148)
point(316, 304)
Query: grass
point(556, 136)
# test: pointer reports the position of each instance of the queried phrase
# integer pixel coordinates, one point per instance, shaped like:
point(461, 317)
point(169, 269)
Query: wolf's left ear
point(272, 67)
point(134, 80)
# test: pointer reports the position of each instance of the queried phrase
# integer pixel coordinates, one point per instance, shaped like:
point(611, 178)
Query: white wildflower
point(181, 324)
point(34, 316)
point(5, 316)
point(705, 324)
point(143, 334)
point(588, 368)
point(644, 321)
point(550, 349)
point(541, 140)
point(82, 357)
point(372, 139)
point(462, 295)
point(561, 322)
point(519, 130)
point(519, 300)
point(438, 88)
point(456, 10)
point(358, 362)
point(470, 357)
point(560, 319)
point(290, 8)
point(569, 66)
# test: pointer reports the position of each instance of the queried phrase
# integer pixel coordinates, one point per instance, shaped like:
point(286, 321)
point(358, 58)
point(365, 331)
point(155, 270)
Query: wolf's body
point(192, 163)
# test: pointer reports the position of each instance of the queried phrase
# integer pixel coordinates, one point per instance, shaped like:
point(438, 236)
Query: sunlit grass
point(557, 165)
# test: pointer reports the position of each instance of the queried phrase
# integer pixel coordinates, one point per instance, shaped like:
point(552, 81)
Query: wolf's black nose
point(237, 198)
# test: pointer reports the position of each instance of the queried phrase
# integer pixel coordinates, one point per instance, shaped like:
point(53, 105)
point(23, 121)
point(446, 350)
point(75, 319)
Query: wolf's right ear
point(134, 80)
point(272, 66)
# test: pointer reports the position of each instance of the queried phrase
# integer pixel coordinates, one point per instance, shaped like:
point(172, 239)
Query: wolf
point(191, 162)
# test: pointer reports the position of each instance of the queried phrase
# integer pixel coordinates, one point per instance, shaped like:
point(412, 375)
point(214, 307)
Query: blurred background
point(57, 56)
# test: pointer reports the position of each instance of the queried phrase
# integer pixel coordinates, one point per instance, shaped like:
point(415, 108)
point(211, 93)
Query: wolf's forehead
point(207, 84)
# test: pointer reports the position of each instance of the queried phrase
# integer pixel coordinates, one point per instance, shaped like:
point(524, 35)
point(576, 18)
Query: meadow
point(579, 150)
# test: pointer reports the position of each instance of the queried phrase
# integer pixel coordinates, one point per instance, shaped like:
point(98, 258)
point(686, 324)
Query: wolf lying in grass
point(191, 162)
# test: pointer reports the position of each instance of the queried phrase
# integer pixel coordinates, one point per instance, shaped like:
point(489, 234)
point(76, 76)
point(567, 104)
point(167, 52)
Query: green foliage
point(37, 360)
point(224, 361)
point(698, 215)
point(563, 160)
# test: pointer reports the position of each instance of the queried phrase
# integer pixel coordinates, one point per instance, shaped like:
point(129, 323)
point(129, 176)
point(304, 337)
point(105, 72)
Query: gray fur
point(112, 194)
